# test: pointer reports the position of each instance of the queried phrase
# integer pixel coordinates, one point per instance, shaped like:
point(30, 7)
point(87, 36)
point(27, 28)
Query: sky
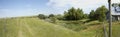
point(15, 8)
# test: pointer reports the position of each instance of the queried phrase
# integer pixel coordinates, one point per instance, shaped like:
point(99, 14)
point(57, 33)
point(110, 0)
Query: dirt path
point(29, 29)
point(20, 32)
point(23, 24)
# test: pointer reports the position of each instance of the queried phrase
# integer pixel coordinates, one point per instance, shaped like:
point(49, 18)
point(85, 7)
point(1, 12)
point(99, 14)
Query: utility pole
point(110, 19)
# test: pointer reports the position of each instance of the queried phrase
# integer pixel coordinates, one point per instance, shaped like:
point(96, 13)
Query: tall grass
point(34, 27)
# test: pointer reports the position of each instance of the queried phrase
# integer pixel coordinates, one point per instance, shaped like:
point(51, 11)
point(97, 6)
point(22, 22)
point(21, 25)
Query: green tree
point(85, 16)
point(91, 15)
point(51, 15)
point(73, 14)
point(119, 5)
point(101, 13)
point(52, 18)
point(59, 17)
point(80, 14)
point(41, 16)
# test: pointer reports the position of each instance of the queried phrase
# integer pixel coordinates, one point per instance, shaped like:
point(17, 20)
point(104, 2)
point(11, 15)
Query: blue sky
point(15, 8)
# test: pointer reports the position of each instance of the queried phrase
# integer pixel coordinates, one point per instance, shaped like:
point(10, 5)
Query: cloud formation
point(77, 3)
point(84, 4)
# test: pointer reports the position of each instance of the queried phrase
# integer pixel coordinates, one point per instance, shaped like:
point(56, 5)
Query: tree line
point(78, 14)
point(74, 14)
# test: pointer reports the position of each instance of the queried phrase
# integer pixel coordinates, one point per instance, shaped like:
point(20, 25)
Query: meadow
point(35, 27)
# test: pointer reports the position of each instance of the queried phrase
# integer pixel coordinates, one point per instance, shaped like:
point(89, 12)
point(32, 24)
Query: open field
point(34, 27)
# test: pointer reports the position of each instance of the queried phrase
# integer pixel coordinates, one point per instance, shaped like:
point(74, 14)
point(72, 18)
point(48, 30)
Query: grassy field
point(116, 29)
point(34, 27)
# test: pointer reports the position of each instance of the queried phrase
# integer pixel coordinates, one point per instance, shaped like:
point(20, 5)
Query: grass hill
point(34, 27)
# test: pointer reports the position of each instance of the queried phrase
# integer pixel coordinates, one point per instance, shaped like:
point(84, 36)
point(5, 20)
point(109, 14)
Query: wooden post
point(110, 19)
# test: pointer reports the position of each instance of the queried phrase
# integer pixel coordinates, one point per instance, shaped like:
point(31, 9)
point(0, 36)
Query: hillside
point(34, 27)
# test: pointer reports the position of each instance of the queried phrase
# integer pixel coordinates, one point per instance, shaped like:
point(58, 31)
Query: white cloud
point(84, 4)
point(77, 3)
point(16, 12)
point(115, 1)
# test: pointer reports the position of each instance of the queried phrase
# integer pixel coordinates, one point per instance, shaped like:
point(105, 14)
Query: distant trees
point(78, 14)
point(52, 18)
point(85, 16)
point(99, 14)
point(119, 5)
point(59, 17)
point(51, 15)
point(73, 14)
point(92, 15)
point(42, 16)
point(101, 11)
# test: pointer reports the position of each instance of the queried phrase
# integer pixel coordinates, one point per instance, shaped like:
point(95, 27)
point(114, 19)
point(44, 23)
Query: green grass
point(2, 22)
point(116, 29)
point(34, 27)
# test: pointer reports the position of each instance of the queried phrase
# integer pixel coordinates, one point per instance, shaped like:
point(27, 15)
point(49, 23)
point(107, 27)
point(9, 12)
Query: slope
point(32, 27)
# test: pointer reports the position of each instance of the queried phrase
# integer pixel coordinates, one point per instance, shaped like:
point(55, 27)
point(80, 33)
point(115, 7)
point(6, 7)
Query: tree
point(59, 17)
point(119, 5)
point(51, 15)
point(101, 11)
point(85, 16)
point(73, 14)
point(41, 16)
point(91, 15)
point(66, 15)
point(52, 18)
point(80, 13)
point(99, 14)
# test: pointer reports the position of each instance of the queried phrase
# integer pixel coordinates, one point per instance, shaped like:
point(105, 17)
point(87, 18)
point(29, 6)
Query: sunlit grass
point(34, 27)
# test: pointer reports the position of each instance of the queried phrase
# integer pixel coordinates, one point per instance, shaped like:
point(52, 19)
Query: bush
point(53, 19)
point(42, 16)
